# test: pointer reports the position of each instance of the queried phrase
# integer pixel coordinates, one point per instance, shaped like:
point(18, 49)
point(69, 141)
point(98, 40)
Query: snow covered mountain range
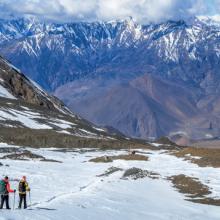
point(145, 80)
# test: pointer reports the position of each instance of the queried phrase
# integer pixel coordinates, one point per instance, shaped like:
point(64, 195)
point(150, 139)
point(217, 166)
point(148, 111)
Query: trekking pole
point(14, 202)
point(30, 198)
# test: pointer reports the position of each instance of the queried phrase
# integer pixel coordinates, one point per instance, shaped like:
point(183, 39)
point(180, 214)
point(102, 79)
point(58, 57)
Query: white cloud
point(142, 10)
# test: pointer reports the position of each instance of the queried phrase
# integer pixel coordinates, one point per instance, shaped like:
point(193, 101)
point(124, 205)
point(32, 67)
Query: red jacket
point(8, 187)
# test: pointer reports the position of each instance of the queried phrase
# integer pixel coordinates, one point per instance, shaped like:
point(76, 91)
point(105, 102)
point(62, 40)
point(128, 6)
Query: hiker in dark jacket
point(5, 189)
point(23, 188)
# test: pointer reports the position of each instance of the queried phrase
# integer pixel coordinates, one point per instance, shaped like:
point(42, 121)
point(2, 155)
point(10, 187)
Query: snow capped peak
point(130, 21)
point(209, 20)
point(216, 18)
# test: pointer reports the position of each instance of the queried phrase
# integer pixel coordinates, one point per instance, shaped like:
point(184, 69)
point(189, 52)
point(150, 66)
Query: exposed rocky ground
point(194, 190)
point(108, 159)
point(203, 157)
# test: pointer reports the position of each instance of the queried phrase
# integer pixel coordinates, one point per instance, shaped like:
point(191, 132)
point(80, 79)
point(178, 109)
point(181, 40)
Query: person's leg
point(25, 201)
point(20, 201)
point(7, 201)
point(2, 201)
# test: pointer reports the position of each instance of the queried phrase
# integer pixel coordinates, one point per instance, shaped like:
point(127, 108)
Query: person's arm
point(27, 187)
point(9, 188)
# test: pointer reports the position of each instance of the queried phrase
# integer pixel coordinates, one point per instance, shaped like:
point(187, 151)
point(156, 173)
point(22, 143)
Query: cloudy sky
point(143, 11)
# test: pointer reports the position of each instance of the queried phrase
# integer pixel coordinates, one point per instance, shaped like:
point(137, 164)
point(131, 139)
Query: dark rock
point(136, 173)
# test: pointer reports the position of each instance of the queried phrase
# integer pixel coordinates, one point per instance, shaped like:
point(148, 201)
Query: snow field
point(5, 93)
point(72, 190)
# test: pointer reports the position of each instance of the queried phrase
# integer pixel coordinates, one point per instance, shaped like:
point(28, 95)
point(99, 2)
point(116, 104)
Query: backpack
point(22, 187)
point(3, 188)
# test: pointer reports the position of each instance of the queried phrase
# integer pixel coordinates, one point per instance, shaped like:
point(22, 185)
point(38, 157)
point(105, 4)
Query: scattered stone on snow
point(137, 173)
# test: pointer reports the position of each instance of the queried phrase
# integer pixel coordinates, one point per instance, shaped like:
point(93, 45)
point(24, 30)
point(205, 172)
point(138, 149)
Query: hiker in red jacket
point(6, 189)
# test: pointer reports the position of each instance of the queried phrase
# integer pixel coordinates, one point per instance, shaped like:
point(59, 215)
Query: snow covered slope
point(4, 93)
